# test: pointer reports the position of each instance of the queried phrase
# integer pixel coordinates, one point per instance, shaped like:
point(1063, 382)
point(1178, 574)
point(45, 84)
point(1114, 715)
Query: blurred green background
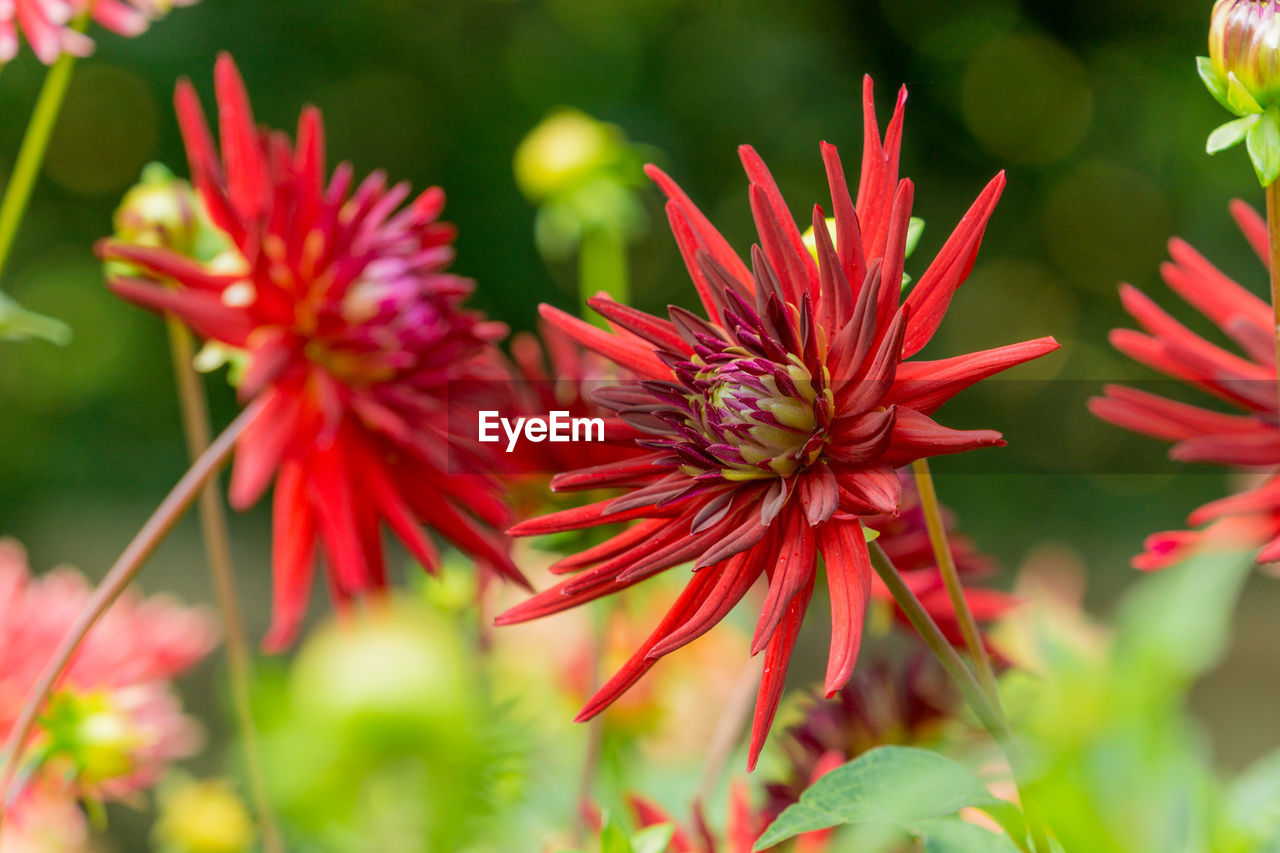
point(1094, 109)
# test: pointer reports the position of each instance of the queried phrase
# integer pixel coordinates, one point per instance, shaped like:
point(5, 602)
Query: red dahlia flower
point(1249, 440)
point(777, 423)
point(46, 24)
point(354, 335)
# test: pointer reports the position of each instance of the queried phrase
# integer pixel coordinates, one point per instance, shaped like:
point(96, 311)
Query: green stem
point(217, 543)
point(951, 579)
point(991, 716)
point(602, 266)
point(116, 580)
point(34, 144)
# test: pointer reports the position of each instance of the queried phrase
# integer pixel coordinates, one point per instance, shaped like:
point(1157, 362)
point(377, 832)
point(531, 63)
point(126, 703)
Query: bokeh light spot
point(106, 133)
point(1103, 224)
point(1026, 100)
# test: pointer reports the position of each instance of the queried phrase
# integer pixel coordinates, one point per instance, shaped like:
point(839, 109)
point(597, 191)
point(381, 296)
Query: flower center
point(758, 415)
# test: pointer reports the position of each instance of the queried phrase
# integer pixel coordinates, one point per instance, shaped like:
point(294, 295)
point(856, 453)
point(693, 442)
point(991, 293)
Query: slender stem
point(602, 266)
point(951, 579)
point(217, 543)
point(34, 144)
point(991, 717)
point(595, 728)
point(730, 727)
point(1273, 231)
point(115, 581)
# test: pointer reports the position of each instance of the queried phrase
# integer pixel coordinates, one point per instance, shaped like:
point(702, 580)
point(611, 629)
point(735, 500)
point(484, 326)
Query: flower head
point(114, 726)
point(1249, 439)
point(775, 423)
point(355, 340)
point(47, 24)
point(1244, 41)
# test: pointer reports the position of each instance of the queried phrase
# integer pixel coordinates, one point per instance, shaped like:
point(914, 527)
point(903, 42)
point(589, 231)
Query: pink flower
point(46, 24)
point(114, 725)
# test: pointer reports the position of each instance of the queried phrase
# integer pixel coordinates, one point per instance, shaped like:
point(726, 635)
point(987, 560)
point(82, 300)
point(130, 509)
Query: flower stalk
point(217, 543)
point(602, 267)
point(35, 142)
point(951, 578)
point(114, 583)
point(989, 714)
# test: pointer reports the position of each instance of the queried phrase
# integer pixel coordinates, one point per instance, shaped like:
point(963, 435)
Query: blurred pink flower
point(114, 725)
point(46, 24)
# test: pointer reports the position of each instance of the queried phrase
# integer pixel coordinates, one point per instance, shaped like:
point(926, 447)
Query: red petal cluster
point(355, 337)
point(1247, 381)
point(776, 423)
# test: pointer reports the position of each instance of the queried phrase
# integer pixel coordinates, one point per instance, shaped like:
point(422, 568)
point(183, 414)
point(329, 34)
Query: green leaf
point(1239, 98)
point(19, 324)
point(1176, 624)
point(956, 836)
point(914, 229)
point(889, 784)
point(1214, 82)
point(1253, 801)
point(654, 839)
point(869, 534)
point(613, 838)
point(1263, 143)
point(1231, 133)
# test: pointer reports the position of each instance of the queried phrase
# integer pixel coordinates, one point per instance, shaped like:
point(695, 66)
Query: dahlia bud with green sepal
point(1242, 71)
point(163, 211)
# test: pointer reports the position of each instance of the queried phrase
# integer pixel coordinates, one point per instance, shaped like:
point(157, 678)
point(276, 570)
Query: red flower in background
point(46, 24)
point(354, 334)
point(776, 424)
point(1249, 440)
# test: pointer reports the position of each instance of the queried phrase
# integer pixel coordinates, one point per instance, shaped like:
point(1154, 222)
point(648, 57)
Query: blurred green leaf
point(1175, 625)
point(957, 836)
point(653, 840)
point(1263, 143)
point(1214, 82)
point(915, 228)
point(893, 784)
point(613, 838)
point(1232, 133)
point(18, 324)
point(1253, 805)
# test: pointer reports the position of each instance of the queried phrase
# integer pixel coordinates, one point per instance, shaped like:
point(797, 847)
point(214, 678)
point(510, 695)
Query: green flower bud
point(160, 211)
point(564, 151)
point(1244, 41)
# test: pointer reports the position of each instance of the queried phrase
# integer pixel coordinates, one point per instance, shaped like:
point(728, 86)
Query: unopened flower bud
point(1244, 40)
point(203, 817)
point(562, 152)
point(160, 211)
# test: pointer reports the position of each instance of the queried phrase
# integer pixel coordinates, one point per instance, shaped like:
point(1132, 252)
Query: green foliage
point(19, 324)
point(891, 784)
point(1122, 768)
point(390, 739)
